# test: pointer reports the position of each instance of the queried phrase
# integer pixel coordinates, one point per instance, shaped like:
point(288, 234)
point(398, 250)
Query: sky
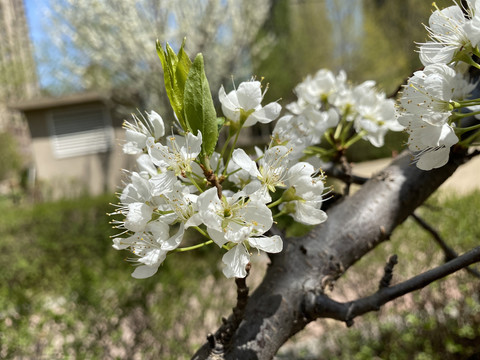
point(34, 10)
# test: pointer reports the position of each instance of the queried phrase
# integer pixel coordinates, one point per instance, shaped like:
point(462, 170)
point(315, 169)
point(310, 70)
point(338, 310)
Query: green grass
point(65, 293)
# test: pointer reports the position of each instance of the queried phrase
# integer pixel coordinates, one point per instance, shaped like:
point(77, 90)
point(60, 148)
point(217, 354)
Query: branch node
point(211, 340)
point(388, 272)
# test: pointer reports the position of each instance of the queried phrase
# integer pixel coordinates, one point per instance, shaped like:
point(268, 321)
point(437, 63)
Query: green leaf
point(175, 70)
point(199, 109)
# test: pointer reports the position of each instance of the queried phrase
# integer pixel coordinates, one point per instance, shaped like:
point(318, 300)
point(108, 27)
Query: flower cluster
point(437, 98)
point(229, 197)
point(330, 110)
point(232, 198)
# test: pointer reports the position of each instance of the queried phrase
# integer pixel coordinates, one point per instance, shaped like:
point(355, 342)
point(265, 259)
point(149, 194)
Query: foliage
point(95, 48)
point(65, 294)
point(10, 160)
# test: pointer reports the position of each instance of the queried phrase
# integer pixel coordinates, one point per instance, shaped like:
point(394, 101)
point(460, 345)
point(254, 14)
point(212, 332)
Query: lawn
point(66, 294)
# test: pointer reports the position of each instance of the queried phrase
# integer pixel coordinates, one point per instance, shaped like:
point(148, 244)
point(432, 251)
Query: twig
point(323, 306)
point(219, 342)
point(388, 272)
point(473, 154)
point(347, 169)
point(450, 254)
point(336, 172)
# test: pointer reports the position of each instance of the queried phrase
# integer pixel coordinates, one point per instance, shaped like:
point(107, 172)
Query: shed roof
point(54, 102)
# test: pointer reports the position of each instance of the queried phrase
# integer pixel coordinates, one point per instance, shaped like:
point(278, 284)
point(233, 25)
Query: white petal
point(249, 94)
point(144, 271)
point(138, 216)
point(145, 164)
point(241, 158)
point(264, 115)
point(433, 159)
point(236, 260)
point(273, 244)
point(308, 215)
point(230, 106)
point(217, 236)
point(163, 183)
point(157, 122)
point(175, 240)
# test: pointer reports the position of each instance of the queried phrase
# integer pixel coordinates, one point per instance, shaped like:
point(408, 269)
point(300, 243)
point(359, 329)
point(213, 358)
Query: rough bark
point(277, 309)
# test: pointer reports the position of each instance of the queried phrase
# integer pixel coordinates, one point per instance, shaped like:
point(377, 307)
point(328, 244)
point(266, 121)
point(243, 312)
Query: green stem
point(225, 145)
point(201, 231)
point(327, 136)
point(464, 130)
point(354, 139)
point(276, 202)
point(457, 116)
point(279, 214)
point(463, 103)
point(192, 180)
point(231, 152)
point(188, 248)
point(469, 140)
point(338, 130)
point(345, 131)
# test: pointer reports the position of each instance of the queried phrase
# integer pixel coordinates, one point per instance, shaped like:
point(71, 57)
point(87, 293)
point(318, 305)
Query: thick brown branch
point(356, 224)
point(327, 308)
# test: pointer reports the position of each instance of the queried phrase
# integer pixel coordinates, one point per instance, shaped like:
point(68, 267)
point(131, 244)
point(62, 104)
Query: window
point(80, 130)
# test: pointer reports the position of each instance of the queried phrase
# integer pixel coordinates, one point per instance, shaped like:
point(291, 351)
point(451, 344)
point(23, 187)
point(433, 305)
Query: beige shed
point(76, 143)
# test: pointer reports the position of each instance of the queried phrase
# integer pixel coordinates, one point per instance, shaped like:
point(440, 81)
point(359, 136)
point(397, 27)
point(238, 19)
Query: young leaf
point(199, 109)
point(175, 70)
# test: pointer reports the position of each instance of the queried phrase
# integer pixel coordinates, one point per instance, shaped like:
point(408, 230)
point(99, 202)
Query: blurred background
point(72, 71)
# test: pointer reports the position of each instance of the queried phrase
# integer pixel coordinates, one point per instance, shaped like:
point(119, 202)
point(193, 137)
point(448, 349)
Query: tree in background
point(110, 45)
point(373, 39)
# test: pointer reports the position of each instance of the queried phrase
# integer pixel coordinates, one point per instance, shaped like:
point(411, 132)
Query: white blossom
point(308, 192)
point(271, 171)
point(178, 154)
point(234, 219)
point(451, 31)
point(139, 130)
point(244, 104)
point(430, 142)
point(375, 113)
point(429, 93)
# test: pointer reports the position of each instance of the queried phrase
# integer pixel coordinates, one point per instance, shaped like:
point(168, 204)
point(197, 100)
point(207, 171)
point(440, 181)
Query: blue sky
point(34, 11)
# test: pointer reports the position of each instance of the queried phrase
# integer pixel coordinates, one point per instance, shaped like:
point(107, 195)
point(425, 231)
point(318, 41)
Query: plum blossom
point(306, 192)
point(453, 31)
point(430, 142)
point(150, 246)
point(243, 105)
point(375, 113)
point(241, 222)
point(178, 154)
point(140, 129)
point(430, 93)
point(271, 172)
point(323, 88)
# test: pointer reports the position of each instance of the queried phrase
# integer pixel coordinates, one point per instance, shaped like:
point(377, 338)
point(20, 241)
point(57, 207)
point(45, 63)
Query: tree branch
point(450, 254)
point(356, 224)
point(322, 306)
point(334, 171)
